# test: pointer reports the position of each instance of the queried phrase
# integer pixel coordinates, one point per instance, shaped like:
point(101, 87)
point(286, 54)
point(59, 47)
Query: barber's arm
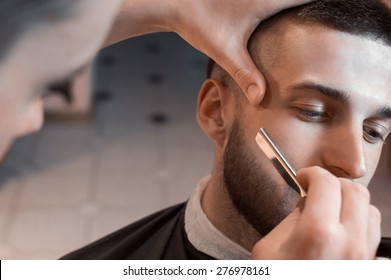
point(336, 221)
point(218, 28)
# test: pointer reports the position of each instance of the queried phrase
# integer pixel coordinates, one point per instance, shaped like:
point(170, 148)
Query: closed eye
point(311, 115)
point(373, 136)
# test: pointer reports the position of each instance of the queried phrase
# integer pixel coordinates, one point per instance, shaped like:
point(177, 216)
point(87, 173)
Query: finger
point(323, 201)
point(246, 74)
point(291, 3)
point(286, 227)
point(284, 4)
point(355, 209)
point(360, 219)
point(374, 231)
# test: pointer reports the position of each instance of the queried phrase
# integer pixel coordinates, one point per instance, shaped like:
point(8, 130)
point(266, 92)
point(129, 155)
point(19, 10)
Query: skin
point(343, 139)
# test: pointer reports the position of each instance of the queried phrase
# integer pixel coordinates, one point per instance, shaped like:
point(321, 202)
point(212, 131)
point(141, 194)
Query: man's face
point(43, 56)
point(328, 104)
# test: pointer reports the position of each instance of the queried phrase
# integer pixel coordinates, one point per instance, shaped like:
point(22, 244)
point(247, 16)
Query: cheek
point(298, 140)
point(372, 161)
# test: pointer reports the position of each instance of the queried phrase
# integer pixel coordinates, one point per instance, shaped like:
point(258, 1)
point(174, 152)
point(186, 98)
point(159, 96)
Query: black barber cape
point(160, 236)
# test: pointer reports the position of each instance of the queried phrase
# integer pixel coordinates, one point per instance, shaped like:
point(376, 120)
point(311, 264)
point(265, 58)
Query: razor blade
point(279, 160)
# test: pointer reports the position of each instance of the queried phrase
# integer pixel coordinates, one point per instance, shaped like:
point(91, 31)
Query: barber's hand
point(336, 221)
point(219, 28)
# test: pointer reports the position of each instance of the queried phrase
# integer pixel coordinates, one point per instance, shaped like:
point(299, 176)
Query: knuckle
point(242, 75)
point(317, 174)
point(320, 235)
point(326, 176)
point(359, 191)
point(354, 252)
point(317, 171)
point(375, 214)
point(357, 249)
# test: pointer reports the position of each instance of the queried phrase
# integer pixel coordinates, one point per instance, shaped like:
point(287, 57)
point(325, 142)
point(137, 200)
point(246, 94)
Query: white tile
point(46, 228)
point(137, 188)
point(9, 190)
point(36, 254)
point(6, 251)
point(55, 187)
point(90, 208)
point(184, 167)
point(64, 143)
point(4, 217)
point(181, 185)
point(64, 152)
point(8, 198)
point(129, 152)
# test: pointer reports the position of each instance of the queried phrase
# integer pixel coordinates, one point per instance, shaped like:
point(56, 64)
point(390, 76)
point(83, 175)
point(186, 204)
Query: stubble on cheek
point(255, 194)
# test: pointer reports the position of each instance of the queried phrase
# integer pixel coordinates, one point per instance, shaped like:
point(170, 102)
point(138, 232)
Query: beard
point(256, 196)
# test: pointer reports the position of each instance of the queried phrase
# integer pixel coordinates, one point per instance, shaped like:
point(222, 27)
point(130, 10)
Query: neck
point(221, 212)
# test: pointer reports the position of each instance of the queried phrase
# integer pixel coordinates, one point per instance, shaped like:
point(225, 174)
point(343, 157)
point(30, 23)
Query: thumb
point(248, 77)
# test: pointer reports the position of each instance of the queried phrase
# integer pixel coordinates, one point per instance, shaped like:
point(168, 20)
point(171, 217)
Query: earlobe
point(31, 119)
point(210, 110)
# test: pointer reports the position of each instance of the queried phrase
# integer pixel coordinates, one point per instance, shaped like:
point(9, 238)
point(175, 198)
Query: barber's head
point(328, 71)
point(41, 43)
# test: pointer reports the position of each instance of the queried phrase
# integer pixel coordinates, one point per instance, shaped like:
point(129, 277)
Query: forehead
point(339, 60)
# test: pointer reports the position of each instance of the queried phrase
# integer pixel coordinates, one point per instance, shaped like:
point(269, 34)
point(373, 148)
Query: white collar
point(203, 235)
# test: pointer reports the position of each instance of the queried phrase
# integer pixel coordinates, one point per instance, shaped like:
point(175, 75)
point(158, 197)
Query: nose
point(344, 153)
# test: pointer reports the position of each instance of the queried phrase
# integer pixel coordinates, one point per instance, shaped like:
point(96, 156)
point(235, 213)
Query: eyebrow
point(338, 95)
point(384, 112)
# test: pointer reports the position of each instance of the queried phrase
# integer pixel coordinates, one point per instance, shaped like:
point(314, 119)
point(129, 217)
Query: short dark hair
point(367, 18)
point(17, 17)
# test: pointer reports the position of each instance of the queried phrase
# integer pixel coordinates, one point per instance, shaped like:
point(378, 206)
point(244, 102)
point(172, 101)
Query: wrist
point(138, 17)
point(151, 15)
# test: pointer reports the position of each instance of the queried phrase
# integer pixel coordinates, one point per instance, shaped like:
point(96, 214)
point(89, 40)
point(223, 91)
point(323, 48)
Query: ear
point(31, 119)
point(212, 110)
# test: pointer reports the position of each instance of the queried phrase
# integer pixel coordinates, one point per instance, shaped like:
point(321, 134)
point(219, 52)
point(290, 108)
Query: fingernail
point(254, 94)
